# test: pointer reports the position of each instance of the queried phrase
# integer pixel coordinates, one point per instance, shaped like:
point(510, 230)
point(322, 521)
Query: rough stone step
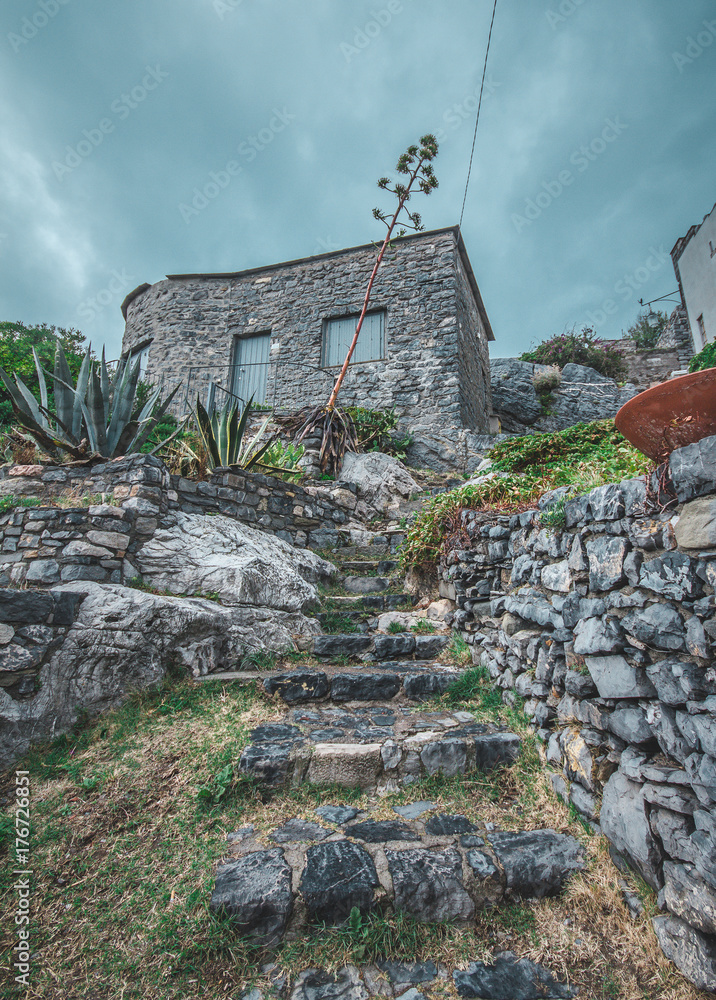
point(367, 584)
point(379, 646)
point(373, 602)
point(434, 868)
point(383, 567)
point(380, 748)
point(508, 977)
point(381, 682)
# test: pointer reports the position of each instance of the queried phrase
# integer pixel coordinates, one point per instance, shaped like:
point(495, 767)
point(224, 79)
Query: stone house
point(280, 333)
point(694, 258)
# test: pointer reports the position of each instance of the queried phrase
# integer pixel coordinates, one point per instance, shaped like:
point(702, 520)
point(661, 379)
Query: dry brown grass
point(125, 858)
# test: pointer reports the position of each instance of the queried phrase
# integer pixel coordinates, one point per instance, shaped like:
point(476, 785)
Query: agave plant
point(223, 435)
point(92, 417)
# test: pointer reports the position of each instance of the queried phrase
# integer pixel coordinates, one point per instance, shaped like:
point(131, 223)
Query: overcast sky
point(595, 152)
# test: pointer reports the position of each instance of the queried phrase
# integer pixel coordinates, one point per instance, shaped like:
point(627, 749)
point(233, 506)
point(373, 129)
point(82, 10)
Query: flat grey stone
point(364, 687)
point(658, 625)
point(408, 972)
point(692, 952)
point(428, 885)
point(414, 809)
point(269, 763)
point(625, 824)
point(337, 814)
point(693, 469)
point(338, 876)
point(696, 527)
point(445, 825)
point(294, 830)
point(447, 757)
point(340, 645)
point(316, 984)
point(389, 647)
point(419, 687)
point(629, 723)
point(297, 686)
point(481, 863)
point(615, 677)
point(255, 891)
point(606, 562)
point(496, 750)
point(671, 575)
point(689, 897)
point(509, 978)
point(598, 635)
point(379, 831)
point(678, 682)
point(537, 862)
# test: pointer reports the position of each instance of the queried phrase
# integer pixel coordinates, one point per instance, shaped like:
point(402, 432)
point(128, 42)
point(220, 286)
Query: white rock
point(382, 481)
point(123, 640)
point(218, 555)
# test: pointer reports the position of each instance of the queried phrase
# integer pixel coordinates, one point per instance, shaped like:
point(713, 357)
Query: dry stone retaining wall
point(116, 507)
point(605, 626)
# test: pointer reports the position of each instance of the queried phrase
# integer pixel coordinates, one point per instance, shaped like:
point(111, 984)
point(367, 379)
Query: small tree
point(336, 428)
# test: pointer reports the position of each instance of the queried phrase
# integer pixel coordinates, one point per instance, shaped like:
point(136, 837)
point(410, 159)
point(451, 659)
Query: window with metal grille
point(338, 334)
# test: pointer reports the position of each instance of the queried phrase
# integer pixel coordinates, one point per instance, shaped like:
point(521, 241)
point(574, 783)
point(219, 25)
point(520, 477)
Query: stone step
point(381, 748)
point(371, 602)
point(367, 584)
point(434, 867)
point(379, 646)
point(391, 680)
point(509, 976)
point(383, 567)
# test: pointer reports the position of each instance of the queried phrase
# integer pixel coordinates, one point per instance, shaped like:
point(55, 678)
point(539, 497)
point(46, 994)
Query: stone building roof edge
point(327, 256)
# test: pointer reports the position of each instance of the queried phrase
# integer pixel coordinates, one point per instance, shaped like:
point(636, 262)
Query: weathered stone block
point(255, 891)
point(606, 562)
point(338, 876)
point(625, 824)
point(428, 885)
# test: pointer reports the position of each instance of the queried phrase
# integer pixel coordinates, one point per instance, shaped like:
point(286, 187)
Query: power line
point(477, 117)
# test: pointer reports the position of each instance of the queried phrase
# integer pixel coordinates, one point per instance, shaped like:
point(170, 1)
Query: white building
point(694, 257)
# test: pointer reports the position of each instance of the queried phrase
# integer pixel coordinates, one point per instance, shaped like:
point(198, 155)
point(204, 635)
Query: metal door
point(250, 367)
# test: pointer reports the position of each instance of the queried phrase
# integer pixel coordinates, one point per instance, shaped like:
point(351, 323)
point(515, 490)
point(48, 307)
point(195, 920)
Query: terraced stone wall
point(111, 509)
point(605, 624)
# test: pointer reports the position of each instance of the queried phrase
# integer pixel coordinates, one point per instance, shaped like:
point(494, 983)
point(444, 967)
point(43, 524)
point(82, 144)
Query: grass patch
point(580, 457)
point(336, 623)
point(458, 650)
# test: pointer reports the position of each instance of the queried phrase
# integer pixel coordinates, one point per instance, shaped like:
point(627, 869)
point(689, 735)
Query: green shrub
point(704, 359)
point(646, 335)
point(579, 349)
point(582, 457)
point(374, 431)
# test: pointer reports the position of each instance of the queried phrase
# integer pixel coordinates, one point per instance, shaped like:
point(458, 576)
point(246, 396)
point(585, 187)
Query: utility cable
point(477, 117)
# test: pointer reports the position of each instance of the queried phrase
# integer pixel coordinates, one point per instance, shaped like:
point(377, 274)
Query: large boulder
point(192, 554)
point(382, 480)
point(583, 395)
point(123, 640)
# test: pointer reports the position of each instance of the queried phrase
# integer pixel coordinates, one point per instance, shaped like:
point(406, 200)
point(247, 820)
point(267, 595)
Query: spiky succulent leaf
point(95, 415)
point(41, 381)
point(206, 432)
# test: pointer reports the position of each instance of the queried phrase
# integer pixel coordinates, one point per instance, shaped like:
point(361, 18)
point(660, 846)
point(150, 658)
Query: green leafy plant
point(581, 457)
point(645, 332)
point(284, 460)
point(423, 627)
point(334, 623)
point(92, 417)
point(458, 650)
point(554, 516)
point(10, 501)
point(374, 431)
point(545, 382)
point(214, 792)
point(396, 628)
point(580, 349)
point(706, 358)
point(223, 435)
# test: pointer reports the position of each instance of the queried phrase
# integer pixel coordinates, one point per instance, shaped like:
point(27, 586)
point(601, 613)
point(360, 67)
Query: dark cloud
point(155, 136)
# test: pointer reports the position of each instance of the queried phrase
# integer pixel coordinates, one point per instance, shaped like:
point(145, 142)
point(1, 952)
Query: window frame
point(325, 325)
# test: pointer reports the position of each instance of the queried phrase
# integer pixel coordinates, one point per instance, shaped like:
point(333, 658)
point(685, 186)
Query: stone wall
point(604, 621)
point(113, 508)
point(436, 358)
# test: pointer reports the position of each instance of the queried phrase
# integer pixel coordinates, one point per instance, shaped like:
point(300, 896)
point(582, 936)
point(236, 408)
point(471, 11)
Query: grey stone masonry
point(605, 627)
point(98, 515)
point(434, 366)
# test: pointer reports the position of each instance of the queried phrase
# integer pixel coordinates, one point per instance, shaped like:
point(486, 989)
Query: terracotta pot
point(671, 414)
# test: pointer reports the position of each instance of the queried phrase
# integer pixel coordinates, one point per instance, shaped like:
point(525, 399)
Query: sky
point(142, 138)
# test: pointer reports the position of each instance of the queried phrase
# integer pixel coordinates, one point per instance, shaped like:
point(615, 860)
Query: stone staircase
point(360, 718)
